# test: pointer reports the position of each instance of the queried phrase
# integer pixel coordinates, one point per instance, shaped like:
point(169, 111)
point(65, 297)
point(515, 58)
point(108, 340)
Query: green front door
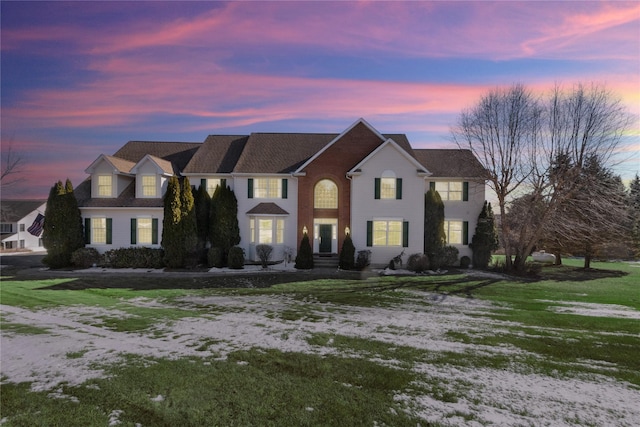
point(325, 238)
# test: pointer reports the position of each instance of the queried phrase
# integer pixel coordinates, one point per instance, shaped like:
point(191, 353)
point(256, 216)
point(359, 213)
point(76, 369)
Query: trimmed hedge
point(85, 257)
point(236, 258)
point(134, 258)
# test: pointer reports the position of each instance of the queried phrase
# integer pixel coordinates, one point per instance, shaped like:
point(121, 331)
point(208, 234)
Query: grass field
point(439, 350)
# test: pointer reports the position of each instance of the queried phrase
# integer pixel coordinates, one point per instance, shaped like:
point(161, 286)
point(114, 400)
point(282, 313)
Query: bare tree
point(501, 131)
point(11, 166)
point(540, 149)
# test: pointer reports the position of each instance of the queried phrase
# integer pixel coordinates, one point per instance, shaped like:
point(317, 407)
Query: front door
point(326, 232)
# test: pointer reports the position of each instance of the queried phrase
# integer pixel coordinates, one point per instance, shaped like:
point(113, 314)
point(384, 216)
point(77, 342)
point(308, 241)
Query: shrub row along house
point(359, 182)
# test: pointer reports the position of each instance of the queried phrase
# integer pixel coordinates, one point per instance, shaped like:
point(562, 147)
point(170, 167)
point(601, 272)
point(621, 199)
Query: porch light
point(304, 230)
point(347, 230)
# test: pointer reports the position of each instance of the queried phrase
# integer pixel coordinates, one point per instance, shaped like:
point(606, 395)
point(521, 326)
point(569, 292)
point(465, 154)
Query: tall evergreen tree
point(189, 224)
point(172, 242)
point(63, 230)
point(485, 239)
point(434, 235)
point(224, 231)
point(203, 206)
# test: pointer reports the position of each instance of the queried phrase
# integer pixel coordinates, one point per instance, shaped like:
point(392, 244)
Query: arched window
point(325, 195)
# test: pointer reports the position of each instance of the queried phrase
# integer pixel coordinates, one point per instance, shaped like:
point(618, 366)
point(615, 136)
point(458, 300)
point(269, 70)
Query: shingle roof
point(218, 154)
point(126, 199)
point(121, 164)
point(268, 208)
point(15, 210)
point(450, 163)
point(178, 153)
point(279, 152)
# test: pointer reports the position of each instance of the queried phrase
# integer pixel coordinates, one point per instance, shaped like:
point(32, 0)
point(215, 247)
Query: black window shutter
point(134, 230)
point(432, 186)
point(398, 188)
point(203, 183)
point(465, 232)
point(223, 182)
point(405, 234)
point(154, 231)
point(285, 187)
point(109, 231)
point(87, 230)
point(369, 233)
point(376, 189)
point(465, 191)
point(250, 188)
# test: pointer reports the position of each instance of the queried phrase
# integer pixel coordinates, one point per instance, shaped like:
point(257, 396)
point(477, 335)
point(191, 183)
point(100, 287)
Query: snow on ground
point(75, 345)
point(594, 310)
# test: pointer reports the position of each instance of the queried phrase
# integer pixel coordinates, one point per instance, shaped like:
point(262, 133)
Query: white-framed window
point(21, 227)
point(105, 185)
point(149, 187)
point(454, 232)
point(387, 233)
point(145, 231)
point(450, 190)
point(388, 185)
point(6, 228)
point(267, 188)
point(266, 230)
point(325, 195)
point(99, 230)
point(212, 184)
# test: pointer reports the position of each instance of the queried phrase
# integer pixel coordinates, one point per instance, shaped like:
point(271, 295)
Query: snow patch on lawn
point(594, 310)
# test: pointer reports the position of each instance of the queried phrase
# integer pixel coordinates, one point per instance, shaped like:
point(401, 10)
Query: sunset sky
point(80, 79)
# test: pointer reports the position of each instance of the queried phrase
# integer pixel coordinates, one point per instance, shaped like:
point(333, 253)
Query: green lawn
point(536, 331)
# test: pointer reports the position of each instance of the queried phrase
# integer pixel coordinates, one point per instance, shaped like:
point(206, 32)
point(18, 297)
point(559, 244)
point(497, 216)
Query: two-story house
point(359, 182)
point(21, 224)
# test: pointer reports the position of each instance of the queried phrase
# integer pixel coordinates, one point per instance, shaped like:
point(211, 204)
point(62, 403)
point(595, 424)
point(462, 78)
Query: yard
point(295, 349)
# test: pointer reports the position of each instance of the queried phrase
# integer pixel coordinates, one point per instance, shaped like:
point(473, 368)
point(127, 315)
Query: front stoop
point(326, 261)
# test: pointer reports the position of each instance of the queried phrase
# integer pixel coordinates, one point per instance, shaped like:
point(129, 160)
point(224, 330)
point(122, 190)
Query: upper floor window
point(325, 195)
point(145, 235)
point(388, 186)
point(456, 191)
point(212, 184)
point(105, 185)
point(6, 228)
point(267, 188)
point(149, 185)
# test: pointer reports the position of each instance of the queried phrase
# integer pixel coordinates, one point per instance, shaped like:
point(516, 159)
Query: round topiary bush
point(85, 257)
point(465, 262)
point(236, 258)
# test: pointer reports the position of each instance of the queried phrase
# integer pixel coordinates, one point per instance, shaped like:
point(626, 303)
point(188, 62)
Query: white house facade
point(21, 224)
point(359, 182)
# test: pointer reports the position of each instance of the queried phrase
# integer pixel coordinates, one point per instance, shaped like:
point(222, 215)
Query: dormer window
point(149, 187)
point(105, 185)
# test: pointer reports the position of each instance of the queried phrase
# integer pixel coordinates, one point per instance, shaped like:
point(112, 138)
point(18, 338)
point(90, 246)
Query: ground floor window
point(457, 232)
point(99, 230)
point(144, 231)
point(388, 232)
point(267, 230)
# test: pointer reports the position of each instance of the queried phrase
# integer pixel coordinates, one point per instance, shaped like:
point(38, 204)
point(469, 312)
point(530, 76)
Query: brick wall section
point(333, 164)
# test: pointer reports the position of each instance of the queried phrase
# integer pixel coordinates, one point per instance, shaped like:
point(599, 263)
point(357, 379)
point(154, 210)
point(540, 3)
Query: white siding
point(121, 225)
point(147, 168)
point(245, 204)
point(31, 242)
point(364, 206)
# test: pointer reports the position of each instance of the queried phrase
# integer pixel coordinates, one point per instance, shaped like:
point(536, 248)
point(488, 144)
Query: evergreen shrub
point(85, 257)
point(465, 262)
point(236, 258)
point(304, 259)
point(363, 260)
point(215, 257)
point(134, 257)
point(418, 263)
point(347, 254)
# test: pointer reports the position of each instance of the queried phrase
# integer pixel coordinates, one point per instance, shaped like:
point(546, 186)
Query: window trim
point(102, 186)
point(334, 200)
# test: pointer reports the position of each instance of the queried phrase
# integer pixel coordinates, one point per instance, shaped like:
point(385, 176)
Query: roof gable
point(178, 153)
point(163, 166)
point(360, 121)
point(119, 165)
point(390, 142)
